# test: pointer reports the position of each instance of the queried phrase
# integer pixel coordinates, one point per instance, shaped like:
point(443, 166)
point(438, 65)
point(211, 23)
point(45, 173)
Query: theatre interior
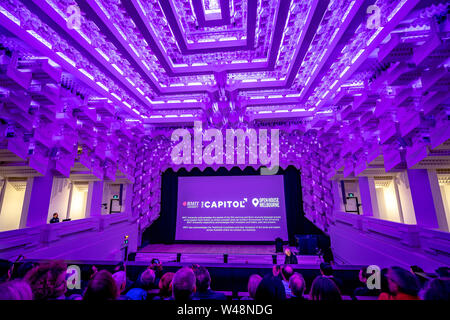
point(223, 132)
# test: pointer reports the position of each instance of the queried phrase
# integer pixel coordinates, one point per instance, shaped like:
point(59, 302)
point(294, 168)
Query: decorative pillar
point(39, 200)
point(427, 215)
point(94, 199)
point(368, 195)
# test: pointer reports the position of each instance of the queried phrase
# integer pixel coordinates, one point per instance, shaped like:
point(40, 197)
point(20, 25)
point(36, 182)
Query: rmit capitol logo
point(214, 153)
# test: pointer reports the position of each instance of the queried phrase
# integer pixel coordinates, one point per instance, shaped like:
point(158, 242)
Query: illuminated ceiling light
point(239, 61)
point(260, 60)
point(40, 39)
point(334, 35)
point(348, 11)
point(127, 104)
point(293, 95)
point(375, 34)
point(249, 80)
point(206, 40)
point(116, 96)
point(171, 116)
point(257, 97)
point(281, 111)
point(87, 74)
point(194, 84)
point(199, 64)
point(275, 96)
point(145, 64)
point(134, 50)
point(264, 111)
point(156, 117)
point(190, 100)
point(85, 37)
point(140, 91)
point(103, 9)
point(334, 83)
point(344, 72)
point(9, 16)
point(186, 116)
point(228, 39)
point(173, 101)
point(269, 79)
point(325, 94)
point(132, 83)
point(176, 85)
point(118, 69)
point(298, 110)
point(358, 55)
point(102, 54)
point(394, 12)
point(66, 58)
point(120, 31)
point(101, 85)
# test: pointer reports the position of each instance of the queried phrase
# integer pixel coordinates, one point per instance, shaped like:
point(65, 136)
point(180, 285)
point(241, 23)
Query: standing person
point(55, 218)
point(290, 257)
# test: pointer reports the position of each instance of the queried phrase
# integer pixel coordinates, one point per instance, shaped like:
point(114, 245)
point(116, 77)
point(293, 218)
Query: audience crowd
point(49, 281)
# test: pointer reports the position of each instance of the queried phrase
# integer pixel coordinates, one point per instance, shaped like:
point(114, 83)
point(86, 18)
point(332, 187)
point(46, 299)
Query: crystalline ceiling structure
point(95, 88)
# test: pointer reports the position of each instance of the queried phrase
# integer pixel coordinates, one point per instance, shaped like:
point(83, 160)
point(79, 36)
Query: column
point(368, 195)
point(427, 214)
point(128, 199)
point(41, 191)
point(94, 199)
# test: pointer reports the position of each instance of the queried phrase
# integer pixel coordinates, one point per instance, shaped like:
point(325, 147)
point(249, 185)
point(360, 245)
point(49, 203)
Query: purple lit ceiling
point(264, 59)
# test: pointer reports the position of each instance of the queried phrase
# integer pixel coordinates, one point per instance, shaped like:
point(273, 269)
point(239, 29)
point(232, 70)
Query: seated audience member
point(327, 271)
point(290, 257)
point(55, 218)
point(270, 289)
point(165, 286)
point(183, 284)
point(253, 283)
point(437, 289)
point(15, 290)
point(157, 267)
point(48, 281)
point(443, 272)
point(21, 271)
point(364, 290)
point(286, 273)
point(420, 275)
point(402, 285)
point(324, 289)
point(6, 270)
point(203, 285)
point(120, 277)
point(146, 283)
point(101, 287)
point(297, 286)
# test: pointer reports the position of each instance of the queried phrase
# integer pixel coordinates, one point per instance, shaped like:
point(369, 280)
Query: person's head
point(48, 281)
point(55, 215)
point(270, 289)
point(23, 269)
point(416, 269)
point(402, 281)
point(183, 284)
point(443, 272)
point(165, 284)
point(437, 289)
point(120, 277)
point(147, 279)
point(297, 284)
point(324, 288)
point(203, 279)
point(253, 283)
point(6, 268)
point(15, 290)
point(287, 251)
point(87, 272)
point(101, 287)
point(287, 272)
point(326, 269)
point(363, 275)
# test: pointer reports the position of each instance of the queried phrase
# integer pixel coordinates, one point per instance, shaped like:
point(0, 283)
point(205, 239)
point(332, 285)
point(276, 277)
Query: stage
point(219, 253)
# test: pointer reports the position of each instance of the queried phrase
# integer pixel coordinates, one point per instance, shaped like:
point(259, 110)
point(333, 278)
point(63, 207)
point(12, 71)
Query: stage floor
point(214, 253)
